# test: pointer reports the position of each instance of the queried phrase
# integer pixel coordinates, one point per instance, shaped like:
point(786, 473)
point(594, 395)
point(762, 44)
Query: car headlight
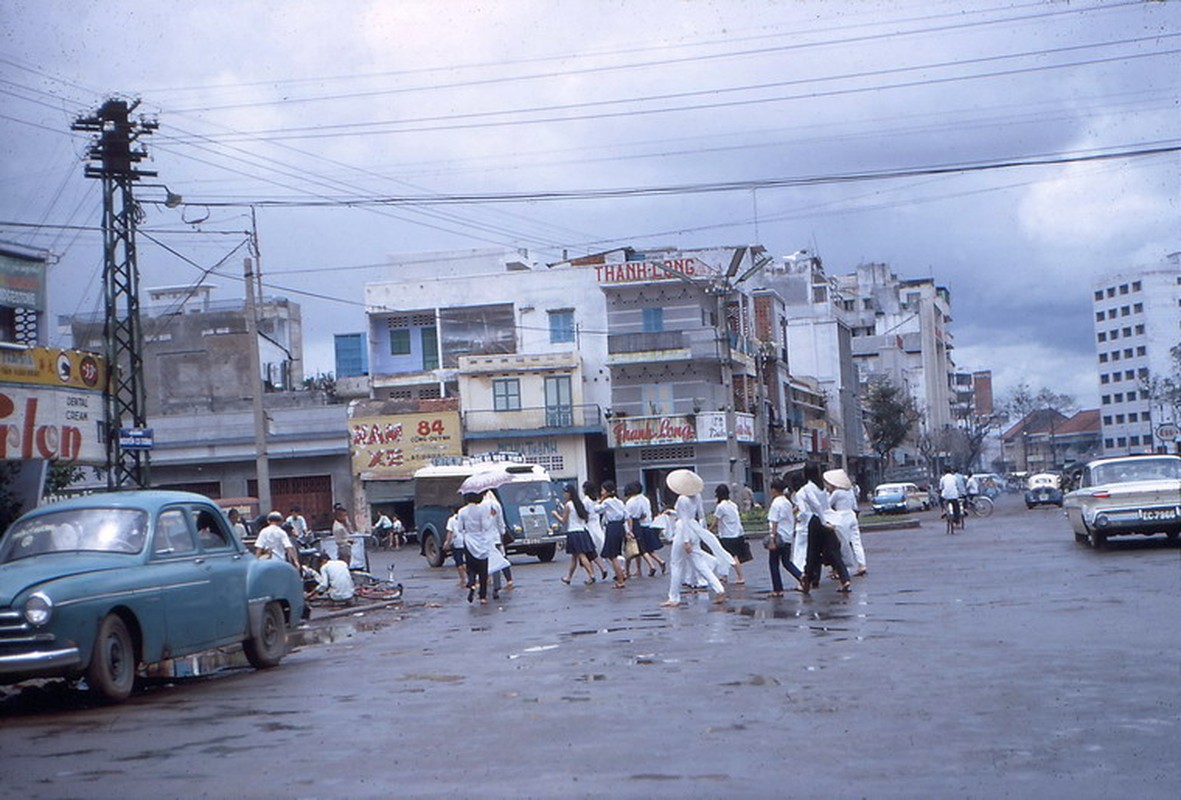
point(38, 609)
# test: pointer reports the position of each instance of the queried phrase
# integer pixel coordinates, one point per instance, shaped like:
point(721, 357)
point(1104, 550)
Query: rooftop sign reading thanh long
point(645, 271)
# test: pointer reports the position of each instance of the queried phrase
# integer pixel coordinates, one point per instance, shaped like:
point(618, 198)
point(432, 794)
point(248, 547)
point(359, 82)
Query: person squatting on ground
point(572, 517)
point(334, 580)
point(782, 520)
point(823, 544)
point(614, 515)
point(842, 516)
point(689, 562)
point(639, 517)
point(730, 531)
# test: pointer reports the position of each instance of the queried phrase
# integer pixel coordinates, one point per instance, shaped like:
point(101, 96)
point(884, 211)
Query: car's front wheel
point(1098, 540)
point(270, 645)
point(432, 549)
point(111, 672)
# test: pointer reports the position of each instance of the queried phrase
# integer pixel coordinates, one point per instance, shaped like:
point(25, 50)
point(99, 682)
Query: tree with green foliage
point(1023, 401)
point(891, 416)
point(1164, 391)
point(10, 505)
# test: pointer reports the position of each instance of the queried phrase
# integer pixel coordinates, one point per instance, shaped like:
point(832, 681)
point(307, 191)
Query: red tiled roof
point(1039, 421)
point(1086, 421)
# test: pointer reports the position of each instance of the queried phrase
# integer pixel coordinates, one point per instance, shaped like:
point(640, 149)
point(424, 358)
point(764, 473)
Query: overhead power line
point(1138, 151)
point(566, 73)
point(478, 119)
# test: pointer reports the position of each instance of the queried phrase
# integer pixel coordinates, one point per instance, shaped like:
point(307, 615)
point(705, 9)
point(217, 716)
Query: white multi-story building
point(901, 330)
point(1137, 322)
point(825, 393)
point(523, 348)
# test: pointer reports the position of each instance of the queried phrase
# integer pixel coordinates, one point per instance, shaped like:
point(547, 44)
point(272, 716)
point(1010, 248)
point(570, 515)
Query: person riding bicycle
point(973, 489)
point(950, 493)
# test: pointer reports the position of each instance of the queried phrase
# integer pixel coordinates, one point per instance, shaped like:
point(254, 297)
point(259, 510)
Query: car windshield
point(1140, 469)
point(888, 491)
point(98, 530)
point(519, 494)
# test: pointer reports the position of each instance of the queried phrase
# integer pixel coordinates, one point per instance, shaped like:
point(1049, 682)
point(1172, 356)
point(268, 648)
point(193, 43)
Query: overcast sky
point(797, 107)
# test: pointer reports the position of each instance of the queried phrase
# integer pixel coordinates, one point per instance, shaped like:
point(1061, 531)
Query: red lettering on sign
point(50, 442)
point(386, 458)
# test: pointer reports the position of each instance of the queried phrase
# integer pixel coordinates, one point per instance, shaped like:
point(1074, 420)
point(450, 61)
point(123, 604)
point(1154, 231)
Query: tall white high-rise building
point(1137, 316)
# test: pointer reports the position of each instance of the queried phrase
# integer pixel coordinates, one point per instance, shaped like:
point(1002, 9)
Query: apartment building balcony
point(548, 420)
point(684, 345)
point(417, 378)
point(518, 362)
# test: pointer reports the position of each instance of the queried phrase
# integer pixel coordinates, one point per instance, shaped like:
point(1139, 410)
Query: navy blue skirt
point(579, 542)
point(613, 539)
point(648, 539)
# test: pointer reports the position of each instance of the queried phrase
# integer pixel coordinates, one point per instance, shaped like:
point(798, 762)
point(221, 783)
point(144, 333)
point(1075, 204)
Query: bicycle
point(980, 505)
point(954, 515)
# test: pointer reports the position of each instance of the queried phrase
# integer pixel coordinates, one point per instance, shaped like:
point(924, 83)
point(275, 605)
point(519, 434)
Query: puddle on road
point(658, 776)
point(433, 678)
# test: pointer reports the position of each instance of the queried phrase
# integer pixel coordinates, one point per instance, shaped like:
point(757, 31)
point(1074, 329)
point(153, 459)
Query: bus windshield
point(524, 493)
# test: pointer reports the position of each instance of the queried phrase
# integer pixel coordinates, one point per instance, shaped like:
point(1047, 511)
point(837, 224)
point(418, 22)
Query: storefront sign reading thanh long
point(705, 427)
point(642, 431)
point(394, 446)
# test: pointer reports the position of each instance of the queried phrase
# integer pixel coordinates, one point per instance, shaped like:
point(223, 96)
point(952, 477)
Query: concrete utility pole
point(735, 470)
point(113, 159)
point(262, 464)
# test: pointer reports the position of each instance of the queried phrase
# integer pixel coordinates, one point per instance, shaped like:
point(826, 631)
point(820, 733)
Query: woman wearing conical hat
point(842, 516)
point(688, 563)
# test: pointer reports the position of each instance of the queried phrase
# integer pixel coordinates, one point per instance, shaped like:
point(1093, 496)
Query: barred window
point(686, 452)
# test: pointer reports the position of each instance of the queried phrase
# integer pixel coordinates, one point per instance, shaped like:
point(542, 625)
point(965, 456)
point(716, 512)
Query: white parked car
point(1131, 495)
point(899, 497)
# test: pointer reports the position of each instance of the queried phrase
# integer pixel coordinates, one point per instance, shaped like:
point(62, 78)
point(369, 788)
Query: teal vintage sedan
point(99, 586)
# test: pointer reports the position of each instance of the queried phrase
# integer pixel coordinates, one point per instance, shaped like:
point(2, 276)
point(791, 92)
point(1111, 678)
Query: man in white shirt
point(334, 581)
point(273, 541)
point(949, 492)
point(299, 525)
point(341, 535)
point(383, 530)
point(782, 519)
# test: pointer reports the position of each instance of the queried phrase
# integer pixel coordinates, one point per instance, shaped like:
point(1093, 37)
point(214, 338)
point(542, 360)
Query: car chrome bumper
point(1134, 520)
point(41, 661)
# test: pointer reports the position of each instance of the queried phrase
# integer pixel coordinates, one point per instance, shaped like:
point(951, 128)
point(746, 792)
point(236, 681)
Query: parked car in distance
point(96, 586)
point(991, 484)
point(889, 498)
point(1126, 496)
point(1043, 489)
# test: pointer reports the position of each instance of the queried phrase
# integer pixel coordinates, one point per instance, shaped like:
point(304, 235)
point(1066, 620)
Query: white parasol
point(485, 479)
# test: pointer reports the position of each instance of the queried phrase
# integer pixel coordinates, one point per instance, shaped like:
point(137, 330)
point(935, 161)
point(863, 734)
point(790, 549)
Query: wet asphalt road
point(1005, 661)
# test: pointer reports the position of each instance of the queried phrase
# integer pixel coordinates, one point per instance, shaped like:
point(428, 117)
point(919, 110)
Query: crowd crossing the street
point(812, 521)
